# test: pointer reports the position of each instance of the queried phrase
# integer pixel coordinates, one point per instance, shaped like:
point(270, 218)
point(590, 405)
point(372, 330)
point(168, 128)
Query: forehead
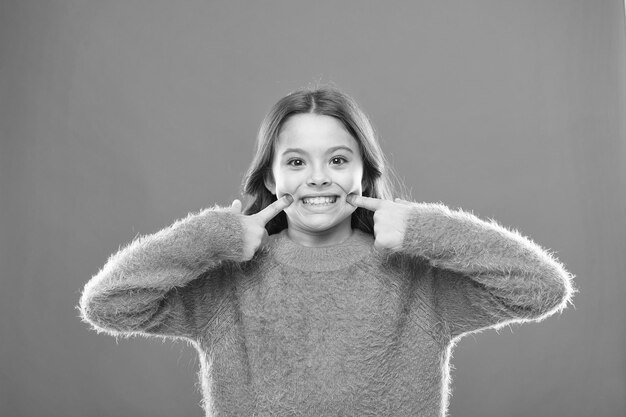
point(311, 131)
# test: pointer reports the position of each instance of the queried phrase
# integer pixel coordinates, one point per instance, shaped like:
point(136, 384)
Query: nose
point(319, 178)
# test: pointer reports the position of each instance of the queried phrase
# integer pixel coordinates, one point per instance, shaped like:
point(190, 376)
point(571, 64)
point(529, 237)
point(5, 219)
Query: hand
point(254, 225)
point(390, 219)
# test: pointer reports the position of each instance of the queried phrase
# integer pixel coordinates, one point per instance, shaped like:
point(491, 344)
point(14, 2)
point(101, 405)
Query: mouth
point(318, 201)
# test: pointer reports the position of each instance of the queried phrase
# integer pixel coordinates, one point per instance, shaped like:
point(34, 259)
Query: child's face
point(319, 163)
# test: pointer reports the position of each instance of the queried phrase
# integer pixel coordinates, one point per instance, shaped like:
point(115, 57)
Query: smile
point(319, 201)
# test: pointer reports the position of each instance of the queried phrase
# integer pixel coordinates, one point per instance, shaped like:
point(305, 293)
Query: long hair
point(325, 101)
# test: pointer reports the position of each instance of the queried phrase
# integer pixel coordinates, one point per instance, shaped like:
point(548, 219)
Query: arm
point(484, 274)
point(151, 286)
point(481, 275)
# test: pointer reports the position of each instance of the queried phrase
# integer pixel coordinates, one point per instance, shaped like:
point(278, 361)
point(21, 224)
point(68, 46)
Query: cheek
point(352, 182)
point(285, 183)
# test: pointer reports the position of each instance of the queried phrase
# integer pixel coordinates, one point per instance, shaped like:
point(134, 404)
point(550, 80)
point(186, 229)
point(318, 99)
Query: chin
point(320, 227)
point(324, 225)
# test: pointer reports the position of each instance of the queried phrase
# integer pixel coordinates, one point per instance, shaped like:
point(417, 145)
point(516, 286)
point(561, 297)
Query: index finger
point(269, 212)
point(368, 203)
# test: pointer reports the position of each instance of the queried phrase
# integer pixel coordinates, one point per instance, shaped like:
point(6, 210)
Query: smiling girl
point(323, 296)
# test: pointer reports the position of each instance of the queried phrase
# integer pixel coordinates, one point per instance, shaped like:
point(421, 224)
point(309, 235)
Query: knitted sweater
point(346, 330)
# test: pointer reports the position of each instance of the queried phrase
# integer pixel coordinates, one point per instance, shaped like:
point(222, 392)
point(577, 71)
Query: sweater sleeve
point(484, 275)
point(153, 285)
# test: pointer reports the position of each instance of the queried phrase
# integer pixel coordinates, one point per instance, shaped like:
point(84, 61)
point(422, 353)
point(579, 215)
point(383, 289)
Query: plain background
point(119, 117)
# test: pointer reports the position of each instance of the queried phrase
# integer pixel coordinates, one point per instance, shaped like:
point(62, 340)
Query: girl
point(324, 297)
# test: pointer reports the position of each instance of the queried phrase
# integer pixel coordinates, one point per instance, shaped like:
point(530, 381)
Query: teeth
point(319, 200)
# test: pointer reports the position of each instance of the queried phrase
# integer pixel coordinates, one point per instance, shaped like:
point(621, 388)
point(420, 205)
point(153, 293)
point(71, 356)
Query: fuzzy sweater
point(345, 330)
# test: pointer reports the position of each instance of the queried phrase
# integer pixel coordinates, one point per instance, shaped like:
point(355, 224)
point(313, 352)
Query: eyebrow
point(330, 150)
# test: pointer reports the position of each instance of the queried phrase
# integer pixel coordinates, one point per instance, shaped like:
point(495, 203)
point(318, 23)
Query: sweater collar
point(326, 258)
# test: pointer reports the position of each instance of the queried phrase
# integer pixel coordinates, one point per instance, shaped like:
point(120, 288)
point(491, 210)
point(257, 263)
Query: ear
point(268, 180)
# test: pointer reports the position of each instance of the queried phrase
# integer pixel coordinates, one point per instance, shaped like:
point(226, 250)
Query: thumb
point(236, 206)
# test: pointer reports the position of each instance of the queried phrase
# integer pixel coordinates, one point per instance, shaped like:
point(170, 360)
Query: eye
point(338, 160)
point(295, 162)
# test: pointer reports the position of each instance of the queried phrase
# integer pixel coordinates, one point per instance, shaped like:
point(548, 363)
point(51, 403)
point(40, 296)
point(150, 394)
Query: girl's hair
point(326, 101)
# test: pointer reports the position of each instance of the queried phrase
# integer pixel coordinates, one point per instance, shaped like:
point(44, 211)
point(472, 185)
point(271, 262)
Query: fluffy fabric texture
point(334, 331)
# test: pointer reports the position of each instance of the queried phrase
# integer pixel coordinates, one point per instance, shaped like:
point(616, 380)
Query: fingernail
point(289, 198)
point(350, 198)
